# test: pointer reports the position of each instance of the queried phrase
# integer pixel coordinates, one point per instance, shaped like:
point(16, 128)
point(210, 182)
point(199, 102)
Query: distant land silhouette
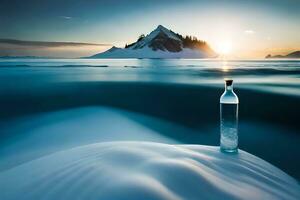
point(295, 54)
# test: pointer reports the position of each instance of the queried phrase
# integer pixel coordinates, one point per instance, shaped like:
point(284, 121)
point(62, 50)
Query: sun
point(224, 47)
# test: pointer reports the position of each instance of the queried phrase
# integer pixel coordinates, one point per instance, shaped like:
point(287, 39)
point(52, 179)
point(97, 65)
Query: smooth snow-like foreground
point(140, 170)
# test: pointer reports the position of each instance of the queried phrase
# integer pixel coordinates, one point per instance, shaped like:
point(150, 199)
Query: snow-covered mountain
point(161, 43)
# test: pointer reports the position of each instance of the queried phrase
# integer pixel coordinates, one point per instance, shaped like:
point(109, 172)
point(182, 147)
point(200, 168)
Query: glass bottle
point(229, 119)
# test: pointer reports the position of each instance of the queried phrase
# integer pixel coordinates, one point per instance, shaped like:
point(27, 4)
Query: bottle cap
point(228, 82)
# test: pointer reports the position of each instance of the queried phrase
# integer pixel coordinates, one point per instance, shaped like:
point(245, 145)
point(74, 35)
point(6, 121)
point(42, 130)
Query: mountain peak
point(162, 42)
point(161, 27)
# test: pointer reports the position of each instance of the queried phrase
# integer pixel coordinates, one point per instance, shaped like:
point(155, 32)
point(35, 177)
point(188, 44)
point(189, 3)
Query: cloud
point(10, 47)
point(249, 32)
point(66, 17)
point(47, 43)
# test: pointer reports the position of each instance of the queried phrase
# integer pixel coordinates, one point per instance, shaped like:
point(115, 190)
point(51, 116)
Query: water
point(281, 76)
point(229, 127)
point(48, 105)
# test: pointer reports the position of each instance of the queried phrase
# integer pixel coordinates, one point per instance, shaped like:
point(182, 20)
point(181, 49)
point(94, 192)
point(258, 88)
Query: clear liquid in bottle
point(229, 119)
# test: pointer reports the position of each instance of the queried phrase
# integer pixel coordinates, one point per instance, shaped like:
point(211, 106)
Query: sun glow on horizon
point(224, 47)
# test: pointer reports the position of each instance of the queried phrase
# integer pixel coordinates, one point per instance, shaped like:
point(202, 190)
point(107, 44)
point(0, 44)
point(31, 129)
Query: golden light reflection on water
point(225, 66)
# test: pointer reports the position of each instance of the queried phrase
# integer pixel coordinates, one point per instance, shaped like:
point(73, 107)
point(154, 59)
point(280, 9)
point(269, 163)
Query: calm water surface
point(280, 76)
point(47, 105)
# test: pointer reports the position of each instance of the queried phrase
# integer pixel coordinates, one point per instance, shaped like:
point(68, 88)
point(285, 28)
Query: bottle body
point(229, 119)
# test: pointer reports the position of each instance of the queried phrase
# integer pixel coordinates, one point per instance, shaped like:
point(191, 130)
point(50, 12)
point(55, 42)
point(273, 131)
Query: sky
point(241, 28)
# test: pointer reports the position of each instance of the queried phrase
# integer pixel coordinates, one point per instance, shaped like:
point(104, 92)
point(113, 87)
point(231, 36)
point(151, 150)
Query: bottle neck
point(229, 88)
